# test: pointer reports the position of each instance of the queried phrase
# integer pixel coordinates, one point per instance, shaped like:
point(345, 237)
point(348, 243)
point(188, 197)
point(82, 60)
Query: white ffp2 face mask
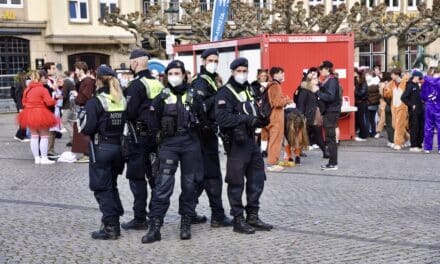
point(175, 80)
point(241, 78)
point(211, 67)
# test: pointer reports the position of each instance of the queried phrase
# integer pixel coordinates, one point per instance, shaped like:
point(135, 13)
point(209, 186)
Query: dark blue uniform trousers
point(186, 149)
point(245, 161)
point(103, 175)
point(138, 171)
point(212, 178)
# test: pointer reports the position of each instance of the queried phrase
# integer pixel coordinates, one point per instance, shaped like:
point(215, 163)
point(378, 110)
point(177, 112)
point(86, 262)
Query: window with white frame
point(411, 57)
point(393, 5)
point(11, 3)
point(369, 3)
point(315, 2)
point(108, 6)
point(79, 11)
point(412, 4)
point(261, 4)
point(372, 54)
point(336, 3)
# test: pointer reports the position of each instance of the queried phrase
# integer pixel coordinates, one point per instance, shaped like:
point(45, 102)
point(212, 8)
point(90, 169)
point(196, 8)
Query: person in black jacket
point(361, 96)
point(103, 119)
point(329, 93)
point(237, 116)
point(260, 84)
point(176, 112)
point(206, 86)
point(140, 94)
point(411, 97)
point(307, 104)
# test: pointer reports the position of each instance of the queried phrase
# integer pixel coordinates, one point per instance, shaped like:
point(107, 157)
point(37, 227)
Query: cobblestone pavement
point(381, 206)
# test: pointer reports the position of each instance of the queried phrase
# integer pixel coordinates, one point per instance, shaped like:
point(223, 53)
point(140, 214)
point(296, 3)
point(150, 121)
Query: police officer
point(205, 86)
point(103, 121)
point(176, 112)
point(140, 94)
point(238, 117)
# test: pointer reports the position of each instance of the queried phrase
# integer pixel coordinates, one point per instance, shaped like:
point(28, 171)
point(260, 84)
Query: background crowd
point(402, 104)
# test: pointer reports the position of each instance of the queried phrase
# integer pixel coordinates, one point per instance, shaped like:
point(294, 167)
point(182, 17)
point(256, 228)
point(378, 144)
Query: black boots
point(253, 220)
point(153, 231)
point(198, 219)
point(135, 224)
point(240, 226)
point(226, 221)
point(185, 227)
point(107, 232)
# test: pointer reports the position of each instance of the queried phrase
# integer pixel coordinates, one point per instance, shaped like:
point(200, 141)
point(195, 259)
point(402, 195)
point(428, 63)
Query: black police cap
point(137, 53)
point(104, 70)
point(239, 62)
point(209, 52)
point(326, 64)
point(175, 64)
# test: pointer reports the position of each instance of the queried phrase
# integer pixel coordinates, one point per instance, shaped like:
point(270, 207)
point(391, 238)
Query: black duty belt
point(109, 140)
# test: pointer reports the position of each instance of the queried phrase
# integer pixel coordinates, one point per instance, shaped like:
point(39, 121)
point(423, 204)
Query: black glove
point(263, 122)
point(256, 122)
point(252, 122)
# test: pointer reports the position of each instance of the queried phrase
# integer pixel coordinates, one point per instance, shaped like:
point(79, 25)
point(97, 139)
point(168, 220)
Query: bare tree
point(142, 27)
point(375, 24)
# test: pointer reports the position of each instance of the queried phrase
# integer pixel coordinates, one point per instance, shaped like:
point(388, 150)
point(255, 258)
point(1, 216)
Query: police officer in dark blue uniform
point(140, 94)
point(103, 120)
point(238, 116)
point(205, 86)
point(176, 111)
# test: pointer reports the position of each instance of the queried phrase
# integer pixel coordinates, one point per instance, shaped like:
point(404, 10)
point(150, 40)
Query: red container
point(294, 53)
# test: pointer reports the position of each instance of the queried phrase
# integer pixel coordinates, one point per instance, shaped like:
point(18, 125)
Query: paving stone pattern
point(381, 206)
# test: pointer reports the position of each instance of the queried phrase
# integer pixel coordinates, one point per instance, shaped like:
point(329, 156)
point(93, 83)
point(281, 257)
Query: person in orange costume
point(399, 110)
point(276, 126)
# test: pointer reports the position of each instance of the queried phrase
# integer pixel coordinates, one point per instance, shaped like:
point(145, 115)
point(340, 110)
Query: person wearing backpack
point(277, 101)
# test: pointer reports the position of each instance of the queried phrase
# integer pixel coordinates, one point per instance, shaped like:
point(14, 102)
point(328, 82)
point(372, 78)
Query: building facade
point(33, 32)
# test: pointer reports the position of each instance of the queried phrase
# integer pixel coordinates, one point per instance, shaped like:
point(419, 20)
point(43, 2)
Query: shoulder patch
point(221, 102)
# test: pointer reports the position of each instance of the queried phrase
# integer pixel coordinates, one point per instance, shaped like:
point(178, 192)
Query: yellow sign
point(8, 15)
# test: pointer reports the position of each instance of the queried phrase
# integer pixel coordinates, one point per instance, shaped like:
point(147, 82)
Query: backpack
point(265, 107)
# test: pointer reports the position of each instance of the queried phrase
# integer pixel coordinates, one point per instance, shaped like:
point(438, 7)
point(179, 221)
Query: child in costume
point(296, 135)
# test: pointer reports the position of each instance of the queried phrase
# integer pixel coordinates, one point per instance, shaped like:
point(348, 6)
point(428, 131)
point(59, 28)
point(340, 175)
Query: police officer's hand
point(252, 121)
point(263, 122)
point(255, 122)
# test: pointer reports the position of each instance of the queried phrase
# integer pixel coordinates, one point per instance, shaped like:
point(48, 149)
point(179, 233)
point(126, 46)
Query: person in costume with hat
point(140, 94)
point(177, 112)
point(237, 115)
point(411, 97)
point(205, 86)
point(330, 94)
point(103, 120)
